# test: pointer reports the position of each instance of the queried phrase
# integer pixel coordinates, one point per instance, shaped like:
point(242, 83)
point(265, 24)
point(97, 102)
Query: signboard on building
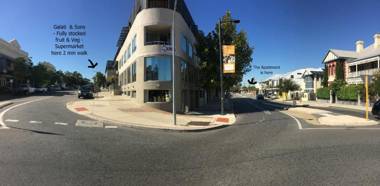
point(228, 59)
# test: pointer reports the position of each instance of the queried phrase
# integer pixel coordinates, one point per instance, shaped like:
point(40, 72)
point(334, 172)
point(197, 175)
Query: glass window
point(133, 72)
point(158, 96)
point(184, 70)
point(158, 68)
point(183, 44)
point(134, 46)
point(133, 94)
point(158, 4)
point(190, 50)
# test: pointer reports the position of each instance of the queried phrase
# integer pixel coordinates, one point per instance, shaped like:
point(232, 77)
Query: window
point(184, 70)
point(183, 44)
point(158, 68)
point(133, 73)
point(134, 46)
point(157, 35)
point(128, 74)
point(158, 96)
point(158, 4)
point(133, 94)
point(190, 50)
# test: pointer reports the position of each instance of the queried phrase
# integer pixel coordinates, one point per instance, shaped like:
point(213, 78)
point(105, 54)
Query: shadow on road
point(248, 105)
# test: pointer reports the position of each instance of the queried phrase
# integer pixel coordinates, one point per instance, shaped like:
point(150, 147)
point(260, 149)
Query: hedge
point(349, 93)
point(323, 93)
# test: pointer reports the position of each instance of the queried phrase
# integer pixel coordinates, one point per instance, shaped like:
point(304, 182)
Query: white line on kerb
point(2, 124)
point(298, 122)
point(60, 123)
point(37, 122)
point(110, 127)
point(12, 120)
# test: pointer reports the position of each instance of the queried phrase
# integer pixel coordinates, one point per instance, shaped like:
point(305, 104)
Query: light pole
point(173, 64)
point(221, 62)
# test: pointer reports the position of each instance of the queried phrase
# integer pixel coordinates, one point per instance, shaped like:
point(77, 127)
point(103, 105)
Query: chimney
point(359, 46)
point(376, 43)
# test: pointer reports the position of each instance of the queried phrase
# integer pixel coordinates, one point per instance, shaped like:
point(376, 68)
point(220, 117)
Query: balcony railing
point(158, 43)
point(363, 72)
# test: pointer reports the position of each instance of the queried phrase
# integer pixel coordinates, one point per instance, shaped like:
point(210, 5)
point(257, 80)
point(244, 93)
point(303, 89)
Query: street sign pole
point(221, 70)
point(366, 97)
point(173, 64)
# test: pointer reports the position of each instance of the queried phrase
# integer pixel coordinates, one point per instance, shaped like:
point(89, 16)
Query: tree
point(208, 52)
point(339, 70)
point(325, 77)
point(22, 70)
point(243, 52)
point(99, 80)
point(288, 85)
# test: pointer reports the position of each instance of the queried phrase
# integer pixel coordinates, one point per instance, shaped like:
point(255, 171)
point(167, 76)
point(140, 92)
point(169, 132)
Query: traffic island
point(327, 118)
point(124, 112)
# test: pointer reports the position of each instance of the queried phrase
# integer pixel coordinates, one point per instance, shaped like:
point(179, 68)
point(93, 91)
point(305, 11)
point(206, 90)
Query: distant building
point(9, 51)
point(308, 79)
point(144, 56)
point(357, 64)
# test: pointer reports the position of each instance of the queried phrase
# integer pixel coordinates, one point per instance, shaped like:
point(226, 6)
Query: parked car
point(41, 90)
point(24, 89)
point(376, 109)
point(86, 91)
point(260, 97)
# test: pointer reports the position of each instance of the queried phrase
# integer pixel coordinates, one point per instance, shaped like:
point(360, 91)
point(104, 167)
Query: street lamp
point(221, 61)
point(173, 64)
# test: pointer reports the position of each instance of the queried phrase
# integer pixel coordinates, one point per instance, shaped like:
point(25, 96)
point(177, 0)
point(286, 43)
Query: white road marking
point(110, 127)
point(60, 123)
point(342, 128)
point(2, 124)
point(298, 122)
point(267, 112)
point(12, 120)
point(37, 122)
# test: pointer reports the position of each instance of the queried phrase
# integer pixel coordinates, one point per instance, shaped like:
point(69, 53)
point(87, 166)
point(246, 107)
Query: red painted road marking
point(223, 120)
point(81, 109)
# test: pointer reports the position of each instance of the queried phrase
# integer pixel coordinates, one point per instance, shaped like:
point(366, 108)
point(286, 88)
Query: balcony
point(363, 72)
point(158, 35)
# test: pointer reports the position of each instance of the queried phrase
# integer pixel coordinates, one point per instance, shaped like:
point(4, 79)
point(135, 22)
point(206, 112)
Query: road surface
point(266, 147)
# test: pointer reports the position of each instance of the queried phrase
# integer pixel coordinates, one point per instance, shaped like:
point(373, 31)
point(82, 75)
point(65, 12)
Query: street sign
point(228, 59)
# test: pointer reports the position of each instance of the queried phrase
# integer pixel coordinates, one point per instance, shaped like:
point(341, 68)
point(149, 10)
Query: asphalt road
point(265, 147)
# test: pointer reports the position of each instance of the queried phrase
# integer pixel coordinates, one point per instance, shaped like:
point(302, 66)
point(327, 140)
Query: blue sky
point(291, 34)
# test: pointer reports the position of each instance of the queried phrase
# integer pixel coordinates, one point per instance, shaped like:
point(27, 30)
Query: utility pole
point(366, 97)
point(221, 69)
point(173, 64)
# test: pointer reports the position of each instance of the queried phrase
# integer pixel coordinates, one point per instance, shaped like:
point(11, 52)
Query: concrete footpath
point(122, 111)
point(322, 104)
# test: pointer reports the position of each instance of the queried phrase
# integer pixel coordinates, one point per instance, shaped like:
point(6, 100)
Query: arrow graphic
point(92, 64)
point(252, 81)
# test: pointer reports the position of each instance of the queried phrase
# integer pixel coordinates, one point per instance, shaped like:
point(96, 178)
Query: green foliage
point(374, 87)
point(339, 70)
point(208, 52)
point(288, 85)
point(337, 85)
point(325, 77)
point(323, 93)
point(22, 70)
point(99, 80)
point(349, 92)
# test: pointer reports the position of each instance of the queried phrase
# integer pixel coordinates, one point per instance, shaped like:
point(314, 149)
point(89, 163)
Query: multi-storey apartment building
point(144, 56)
point(356, 64)
point(9, 51)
